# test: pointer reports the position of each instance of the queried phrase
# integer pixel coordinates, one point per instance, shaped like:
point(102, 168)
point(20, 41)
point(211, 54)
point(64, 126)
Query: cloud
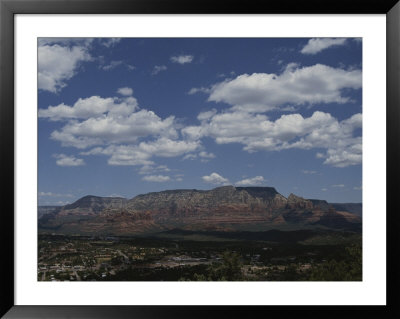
point(304, 171)
point(197, 90)
point(91, 107)
point(65, 160)
point(141, 154)
point(45, 194)
point(164, 147)
point(106, 121)
point(257, 133)
point(83, 42)
point(344, 157)
point(115, 195)
point(223, 75)
point(57, 64)
point(114, 64)
point(206, 155)
point(109, 42)
point(86, 42)
point(357, 188)
point(53, 203)
point(206, 115)
point(125, 91)
point(122, 155)
point(50, 194)
point(62, 203)
point(262, 92)
point(120, 130)
point(158, 68)
point(59, 59)
point(151, 169)
point(182, 59)
point(111, 65)
point(316, 45)
point(324, 189)
point(251, 181)
point(190, 157)
point(216, 179)
point(156, 178)
point(338, 185)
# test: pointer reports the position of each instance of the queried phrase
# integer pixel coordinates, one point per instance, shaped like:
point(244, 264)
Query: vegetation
point(276, 256)
point(229, 270)
point(347, 269)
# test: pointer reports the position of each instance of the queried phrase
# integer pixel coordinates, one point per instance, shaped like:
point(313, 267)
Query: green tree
point(230, 269)
point(348, 269)
point(117, 260)
point(290, 273)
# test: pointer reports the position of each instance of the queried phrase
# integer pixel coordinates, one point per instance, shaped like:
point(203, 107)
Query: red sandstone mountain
point(222, 208)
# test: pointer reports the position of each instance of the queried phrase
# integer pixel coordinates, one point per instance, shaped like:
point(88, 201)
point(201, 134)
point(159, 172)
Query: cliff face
point(43, 210)
point(91, 205)
point(222, 208)
point(194, 201)
point(353, 208)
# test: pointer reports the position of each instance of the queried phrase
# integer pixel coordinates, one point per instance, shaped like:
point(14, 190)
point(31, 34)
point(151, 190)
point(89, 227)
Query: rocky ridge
point(223, 208)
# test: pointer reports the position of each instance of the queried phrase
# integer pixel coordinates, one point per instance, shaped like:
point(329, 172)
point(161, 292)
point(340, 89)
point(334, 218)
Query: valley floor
point(201, 256)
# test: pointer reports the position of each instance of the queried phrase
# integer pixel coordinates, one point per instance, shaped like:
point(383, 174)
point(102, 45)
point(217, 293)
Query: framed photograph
point(175, 159)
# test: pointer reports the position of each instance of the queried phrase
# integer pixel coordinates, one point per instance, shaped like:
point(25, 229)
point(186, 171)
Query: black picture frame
point(9, 8)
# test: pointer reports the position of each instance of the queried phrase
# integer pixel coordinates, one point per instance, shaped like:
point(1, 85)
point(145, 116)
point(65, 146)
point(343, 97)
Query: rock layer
point(222, 208)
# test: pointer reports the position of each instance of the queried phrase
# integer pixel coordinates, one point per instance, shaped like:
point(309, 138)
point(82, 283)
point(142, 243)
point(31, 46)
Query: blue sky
point(122, 117)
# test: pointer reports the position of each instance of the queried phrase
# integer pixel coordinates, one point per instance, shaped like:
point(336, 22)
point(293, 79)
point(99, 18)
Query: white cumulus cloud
point(164, 147)
point(257, 133)
point(206, 155)
point(125, 91)
point(156, 178)
point(118, 129)
point(182, 59)
point(257, 180)
point(141, 154)
point(68, 160)
point(122, 155)
point(316, 45)
point(91, 107)
point(261, 92)
point(106, 121)
point(216, 179)
point(57, 64)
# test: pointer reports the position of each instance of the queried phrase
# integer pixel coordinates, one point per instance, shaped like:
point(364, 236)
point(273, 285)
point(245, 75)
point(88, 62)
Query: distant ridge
point(46, 209)
point(225, 208)
point(96, 203)
point(354, 208)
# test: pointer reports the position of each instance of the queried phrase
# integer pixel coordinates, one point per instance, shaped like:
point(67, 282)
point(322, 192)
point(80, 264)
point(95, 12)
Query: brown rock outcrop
point(220, 208)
